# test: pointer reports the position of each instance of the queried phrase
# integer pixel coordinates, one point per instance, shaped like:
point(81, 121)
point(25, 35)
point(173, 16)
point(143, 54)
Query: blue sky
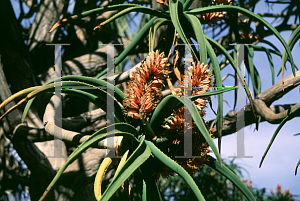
point(280, 162)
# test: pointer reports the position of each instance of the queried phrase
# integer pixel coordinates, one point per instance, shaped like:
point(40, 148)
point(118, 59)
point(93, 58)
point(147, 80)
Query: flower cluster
point(201, 80)
point(213, 17)
point(143, 93)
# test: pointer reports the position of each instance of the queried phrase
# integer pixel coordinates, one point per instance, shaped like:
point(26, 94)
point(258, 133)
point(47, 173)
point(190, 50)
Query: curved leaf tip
point(297, 167)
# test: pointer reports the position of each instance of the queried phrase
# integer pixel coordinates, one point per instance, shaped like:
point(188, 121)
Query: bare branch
point(229, 121)
point(31, 134)
point(272, 114)
point(84, 119)
point(273, 14)
point(84, 123)
point(269, 115)
point(85, 65)
point(276, 92)
point(122, 77)
point(68, 135)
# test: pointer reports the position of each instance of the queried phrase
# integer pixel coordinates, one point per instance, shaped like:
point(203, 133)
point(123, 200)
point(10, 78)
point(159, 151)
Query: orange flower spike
point(286, 192)
point(147, 104)
point(201, 78)
point(134, 105)
point(213, 17)
point(251, 184)
point(278, 190)
point(143, 90)
point(134, 114)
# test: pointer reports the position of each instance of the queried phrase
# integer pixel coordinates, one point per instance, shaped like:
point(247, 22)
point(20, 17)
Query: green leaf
point(271, 65)
point(152, 32)
point(176, 168)
point(251, 69)
point(102, 10)
point(144, 195)
point(251, 15)
point(101, 103)
point(95, 95)
point(51, 88)
point(150, 189)
point(122, 162)
point(137, 158)
point(201, 126)
point(260, 48)
point(29, 103)
point(236, 68)
point(122, 129)
point(18, 95)
point(200, 37)
point(26, 109)
point(217, 73)
point(187, 4)
point(131, 46)
point(119, 95)
point(136, 8)
point(149, 133)
point(213, 163)
point(291, 115)
point(165, 108)
point(209, 93)
point(93, 12)
point(270, 44)
point(176, 12)
point(258, 80)
point(291, 43)
point(297, 167)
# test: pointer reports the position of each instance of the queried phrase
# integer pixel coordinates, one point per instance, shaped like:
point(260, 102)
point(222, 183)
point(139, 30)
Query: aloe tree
point(150, 113)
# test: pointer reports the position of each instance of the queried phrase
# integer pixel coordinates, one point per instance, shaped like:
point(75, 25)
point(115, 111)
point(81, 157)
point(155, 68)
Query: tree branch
point(85, 65)
point(41, 170)
point(273, 114)
point(67, 135)
point(122, 77)
point(229, 120)
point(276, 91)
point(276, 15)
point(48, 14)
point(87, 122)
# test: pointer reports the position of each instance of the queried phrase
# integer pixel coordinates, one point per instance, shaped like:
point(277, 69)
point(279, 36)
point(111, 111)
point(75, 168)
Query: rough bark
point(15, 57)
point(17, 71)
point(48, 13)
point(85, 65)
point(39, 166)
point(17, 66)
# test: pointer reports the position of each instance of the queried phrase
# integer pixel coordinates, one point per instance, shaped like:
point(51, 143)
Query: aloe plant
point(143, 104)
point(152, 128)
